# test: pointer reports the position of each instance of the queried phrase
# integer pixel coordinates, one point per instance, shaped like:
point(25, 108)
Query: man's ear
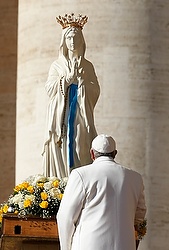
point(115, 153)
point(92, 154)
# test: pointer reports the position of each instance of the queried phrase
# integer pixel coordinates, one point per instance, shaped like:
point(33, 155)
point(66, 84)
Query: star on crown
point(70, 20)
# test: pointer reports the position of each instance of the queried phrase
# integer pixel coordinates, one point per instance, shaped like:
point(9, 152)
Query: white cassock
point(101, 204)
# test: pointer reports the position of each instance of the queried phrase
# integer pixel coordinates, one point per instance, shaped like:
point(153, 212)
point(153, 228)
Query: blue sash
point(71, 119)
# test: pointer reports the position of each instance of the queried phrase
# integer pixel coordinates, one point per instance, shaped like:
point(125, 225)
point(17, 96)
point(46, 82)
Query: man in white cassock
point(102, 203)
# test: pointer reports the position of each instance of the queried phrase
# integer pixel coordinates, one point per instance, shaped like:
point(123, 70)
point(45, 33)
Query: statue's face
point(73, 39)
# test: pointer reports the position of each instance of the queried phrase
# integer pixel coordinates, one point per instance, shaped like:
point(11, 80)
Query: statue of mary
point(73, 91)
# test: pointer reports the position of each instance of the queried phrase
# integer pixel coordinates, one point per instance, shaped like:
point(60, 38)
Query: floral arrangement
point(37, 195)
point(141, 230)
point(41, 196)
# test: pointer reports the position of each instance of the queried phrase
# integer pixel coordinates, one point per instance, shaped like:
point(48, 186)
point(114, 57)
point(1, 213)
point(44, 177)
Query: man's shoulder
point(136, 176)
point(131, 170)
point(82, 168)
point(81, 172)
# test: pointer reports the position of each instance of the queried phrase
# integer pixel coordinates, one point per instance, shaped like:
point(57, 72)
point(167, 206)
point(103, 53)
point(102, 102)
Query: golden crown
point(70, 20)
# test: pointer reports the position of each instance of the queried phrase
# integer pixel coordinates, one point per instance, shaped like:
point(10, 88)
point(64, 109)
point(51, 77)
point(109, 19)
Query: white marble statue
point(73, 91)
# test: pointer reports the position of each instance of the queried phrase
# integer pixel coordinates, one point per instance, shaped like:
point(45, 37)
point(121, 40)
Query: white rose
point(54, 192)
point(30, 197)
point(48, 185)
point(53, 178)
point(39, 178)
point(21, 206)
point(16, 199)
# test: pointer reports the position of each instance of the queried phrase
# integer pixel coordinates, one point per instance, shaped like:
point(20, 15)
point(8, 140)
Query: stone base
point(32, 233)
point(28, 243)
point(30, 226)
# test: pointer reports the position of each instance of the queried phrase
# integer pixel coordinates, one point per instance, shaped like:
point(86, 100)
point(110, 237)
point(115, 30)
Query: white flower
point(16, 199)
point(54, 192)
point(65, 179)
point(52, 178)
point(29, 197)
point(21, 205)
point(38, 178)
point(30, 179)
point(48, 185)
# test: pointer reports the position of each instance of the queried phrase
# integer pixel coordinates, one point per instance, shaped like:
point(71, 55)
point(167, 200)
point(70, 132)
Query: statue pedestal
point(29, 233)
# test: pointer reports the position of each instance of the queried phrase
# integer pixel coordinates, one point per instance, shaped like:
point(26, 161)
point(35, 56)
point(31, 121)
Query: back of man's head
point(104, 145)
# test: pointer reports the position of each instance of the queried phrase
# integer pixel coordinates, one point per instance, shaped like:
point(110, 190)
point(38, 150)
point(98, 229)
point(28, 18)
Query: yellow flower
point(5, 208)
point(27, 203)
point(1, 214)
point(60, 196)
point(43, 204)
point(141, 229)
point(1, 210)
point(56, 183)
point(21, 186)
point(30, 189)
point(40, 184)
point(17, 188)
point(44, 196)
point(24, 185)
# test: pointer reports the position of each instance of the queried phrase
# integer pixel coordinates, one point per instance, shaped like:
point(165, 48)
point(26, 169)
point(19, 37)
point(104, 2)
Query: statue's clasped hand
point(72, 76)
